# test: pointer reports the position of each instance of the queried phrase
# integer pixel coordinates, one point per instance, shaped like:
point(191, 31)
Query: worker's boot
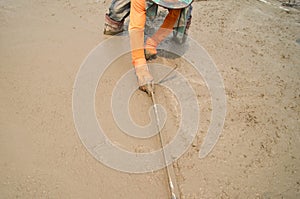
point(112, 27)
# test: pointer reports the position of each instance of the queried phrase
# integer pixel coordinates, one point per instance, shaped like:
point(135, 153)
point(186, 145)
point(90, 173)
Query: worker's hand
point(150, 48)
point(145, 79)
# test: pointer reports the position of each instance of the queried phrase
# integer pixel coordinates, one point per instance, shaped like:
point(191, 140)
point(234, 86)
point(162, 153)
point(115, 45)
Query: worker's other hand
point(145, 79)
point(150, 48)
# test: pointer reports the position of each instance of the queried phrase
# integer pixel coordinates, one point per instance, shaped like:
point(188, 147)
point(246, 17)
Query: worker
point(114, 21)
point(141, 51)
point(119, 10)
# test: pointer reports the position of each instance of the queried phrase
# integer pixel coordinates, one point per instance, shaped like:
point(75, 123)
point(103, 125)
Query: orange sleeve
point(136, 31)
point(167, 26)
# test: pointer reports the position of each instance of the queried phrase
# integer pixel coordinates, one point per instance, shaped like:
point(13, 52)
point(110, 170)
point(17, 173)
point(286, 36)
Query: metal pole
point(171, 185)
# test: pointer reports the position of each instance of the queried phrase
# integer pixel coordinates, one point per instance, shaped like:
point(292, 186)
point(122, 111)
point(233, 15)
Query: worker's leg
point(119, 10)
point(136, 31)
point(114, 19)
point(180, 30)
point(165, 29)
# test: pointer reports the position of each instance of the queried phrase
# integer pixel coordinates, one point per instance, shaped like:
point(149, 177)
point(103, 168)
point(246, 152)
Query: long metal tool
point(170, 182)
point(166, 75)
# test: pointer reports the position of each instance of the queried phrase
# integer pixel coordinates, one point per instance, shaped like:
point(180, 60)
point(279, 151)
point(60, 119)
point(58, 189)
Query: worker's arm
point(165, 29)
point(136, 30)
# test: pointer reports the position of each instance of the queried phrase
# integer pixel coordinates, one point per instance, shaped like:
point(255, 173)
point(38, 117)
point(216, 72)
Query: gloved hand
point(145, 79)
point(150, 48)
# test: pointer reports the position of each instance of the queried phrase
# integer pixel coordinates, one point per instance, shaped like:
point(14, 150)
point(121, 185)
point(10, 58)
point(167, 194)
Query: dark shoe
point(112, 27)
